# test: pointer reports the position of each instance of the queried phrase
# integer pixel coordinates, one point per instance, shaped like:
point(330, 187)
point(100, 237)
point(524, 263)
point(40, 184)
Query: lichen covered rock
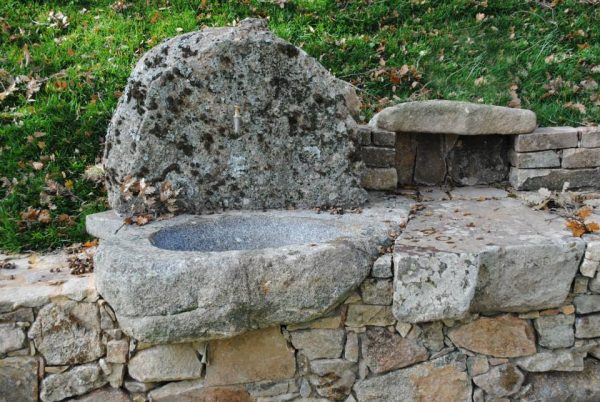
point(234, 117)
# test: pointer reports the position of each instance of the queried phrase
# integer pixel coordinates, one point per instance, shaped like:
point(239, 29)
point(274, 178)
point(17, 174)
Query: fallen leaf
point(480, 81)
point(576, 106)
point(479, 17)
point(583, 212)
point(44, 216)
point(592, 227)
point(577, 228)
point(37, 165)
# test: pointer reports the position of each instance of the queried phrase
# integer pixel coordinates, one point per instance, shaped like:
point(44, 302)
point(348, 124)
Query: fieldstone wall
point(72, 347)
point(552, 156)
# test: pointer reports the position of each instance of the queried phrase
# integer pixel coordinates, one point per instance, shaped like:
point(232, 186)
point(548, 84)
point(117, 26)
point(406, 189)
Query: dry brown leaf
point(577, 228)
point(583, 212)
point(576, 106)
point(592, 227)
point(44, 216)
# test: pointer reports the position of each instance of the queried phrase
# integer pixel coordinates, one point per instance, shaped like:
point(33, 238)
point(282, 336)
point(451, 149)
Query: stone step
point(461, 256)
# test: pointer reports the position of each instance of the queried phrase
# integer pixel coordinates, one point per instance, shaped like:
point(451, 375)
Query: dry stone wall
point(71, 348)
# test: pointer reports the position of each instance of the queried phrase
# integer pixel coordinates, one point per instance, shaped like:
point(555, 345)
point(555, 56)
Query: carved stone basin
point(204, 277)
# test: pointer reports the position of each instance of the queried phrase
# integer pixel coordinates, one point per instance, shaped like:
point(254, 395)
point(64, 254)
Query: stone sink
point(215, 276)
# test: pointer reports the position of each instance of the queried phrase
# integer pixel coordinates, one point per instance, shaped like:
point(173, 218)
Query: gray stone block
point(379, 178)
point(547, 138)
point(384, 138)
point(531, 160)
point(590, 137)
point(554, 179)
point(364, 135)
point(581, 158)
point(378, 157)
point(555, 331)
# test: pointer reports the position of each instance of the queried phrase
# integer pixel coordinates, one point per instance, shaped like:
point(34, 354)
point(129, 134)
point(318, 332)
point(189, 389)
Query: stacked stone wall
point(72, 347)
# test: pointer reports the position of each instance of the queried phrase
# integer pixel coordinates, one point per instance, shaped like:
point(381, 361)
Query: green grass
point(528, 46)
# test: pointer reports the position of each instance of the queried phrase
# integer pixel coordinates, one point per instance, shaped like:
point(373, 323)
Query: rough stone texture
point(21, 314)
point(384, 138)
point(377, 291)
point(379, 179)
point(175, 121)
point(430, 165)
point(581, 158)
point(117, 351)
point(362, 315)
point(382, 268)
point(528, 160)
point(333, 378)
point(478, 160)
point(254, 356)
point(19, 379)
point(365, 135)
point(554, 179)
point(105, 395)
point(11, 338)
point(77, 381)
point(545, 138)
point(67, 332)
point(433, 336)
point(461, 256)
point(587, 326)
point(351, 349)
point(565, 386)
point(406, 153)
point(501, 336)
point(438, 380)
point(378, 157)
point(590, 137)
point(559, 360)
point(555, 331)
point(454, 117)
point(384, 350)
point(319, 343)
point(197, 391)
point(209, 295)
point(501, 380)
point(585, 304)
point(165, 363)
point(477, 365)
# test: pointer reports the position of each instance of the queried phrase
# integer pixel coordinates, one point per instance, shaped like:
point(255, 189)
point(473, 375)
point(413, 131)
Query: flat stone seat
point(454, 117)
point(457, 257)
point(215, 276)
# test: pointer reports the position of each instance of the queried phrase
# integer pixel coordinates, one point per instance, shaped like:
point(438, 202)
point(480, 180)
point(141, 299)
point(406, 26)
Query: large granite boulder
point(234, 117)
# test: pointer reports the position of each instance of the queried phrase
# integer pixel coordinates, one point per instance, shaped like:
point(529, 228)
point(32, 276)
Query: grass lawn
point(63, 64)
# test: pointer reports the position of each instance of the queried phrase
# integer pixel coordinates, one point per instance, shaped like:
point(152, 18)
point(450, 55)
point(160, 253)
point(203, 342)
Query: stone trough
point(203, 277)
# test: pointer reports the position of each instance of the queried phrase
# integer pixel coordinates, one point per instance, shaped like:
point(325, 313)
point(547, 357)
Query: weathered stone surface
point(430, 164)
point(272, 388)
point(197, 391)
point(501, 336)
point(588, 268)
point(478, 160)
point(223, 111)
point(254, 356)
point(105, 395)
point(555, 331)
point(384, 350)
point(117, 351)
point(378, 157)
point(406, 154)
point(288, 267)
point(365, 135)
point(21, 314)
point(382, 268)
point(581, 158)
point(319, 343)
point(454, 117)
point(165, 363)
point(501, 380)
point(67, 332)
point(19, 379)
point(586, 304)
point(545, 138)
point(587, 326)
point(540, 159)
point(77, 381)
point(360, 315)
point(384, 138)
point(377, 291)
point(11, 338)
point(554, 179)
point(351, 349)
point(433, 336)
point(438, 380)
point(559, 360)
point(463, 256)
point(477, 365)
point(333, 378)
point(565, 386)
point(333, 321)
point(590, 137)
point(379, 179)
